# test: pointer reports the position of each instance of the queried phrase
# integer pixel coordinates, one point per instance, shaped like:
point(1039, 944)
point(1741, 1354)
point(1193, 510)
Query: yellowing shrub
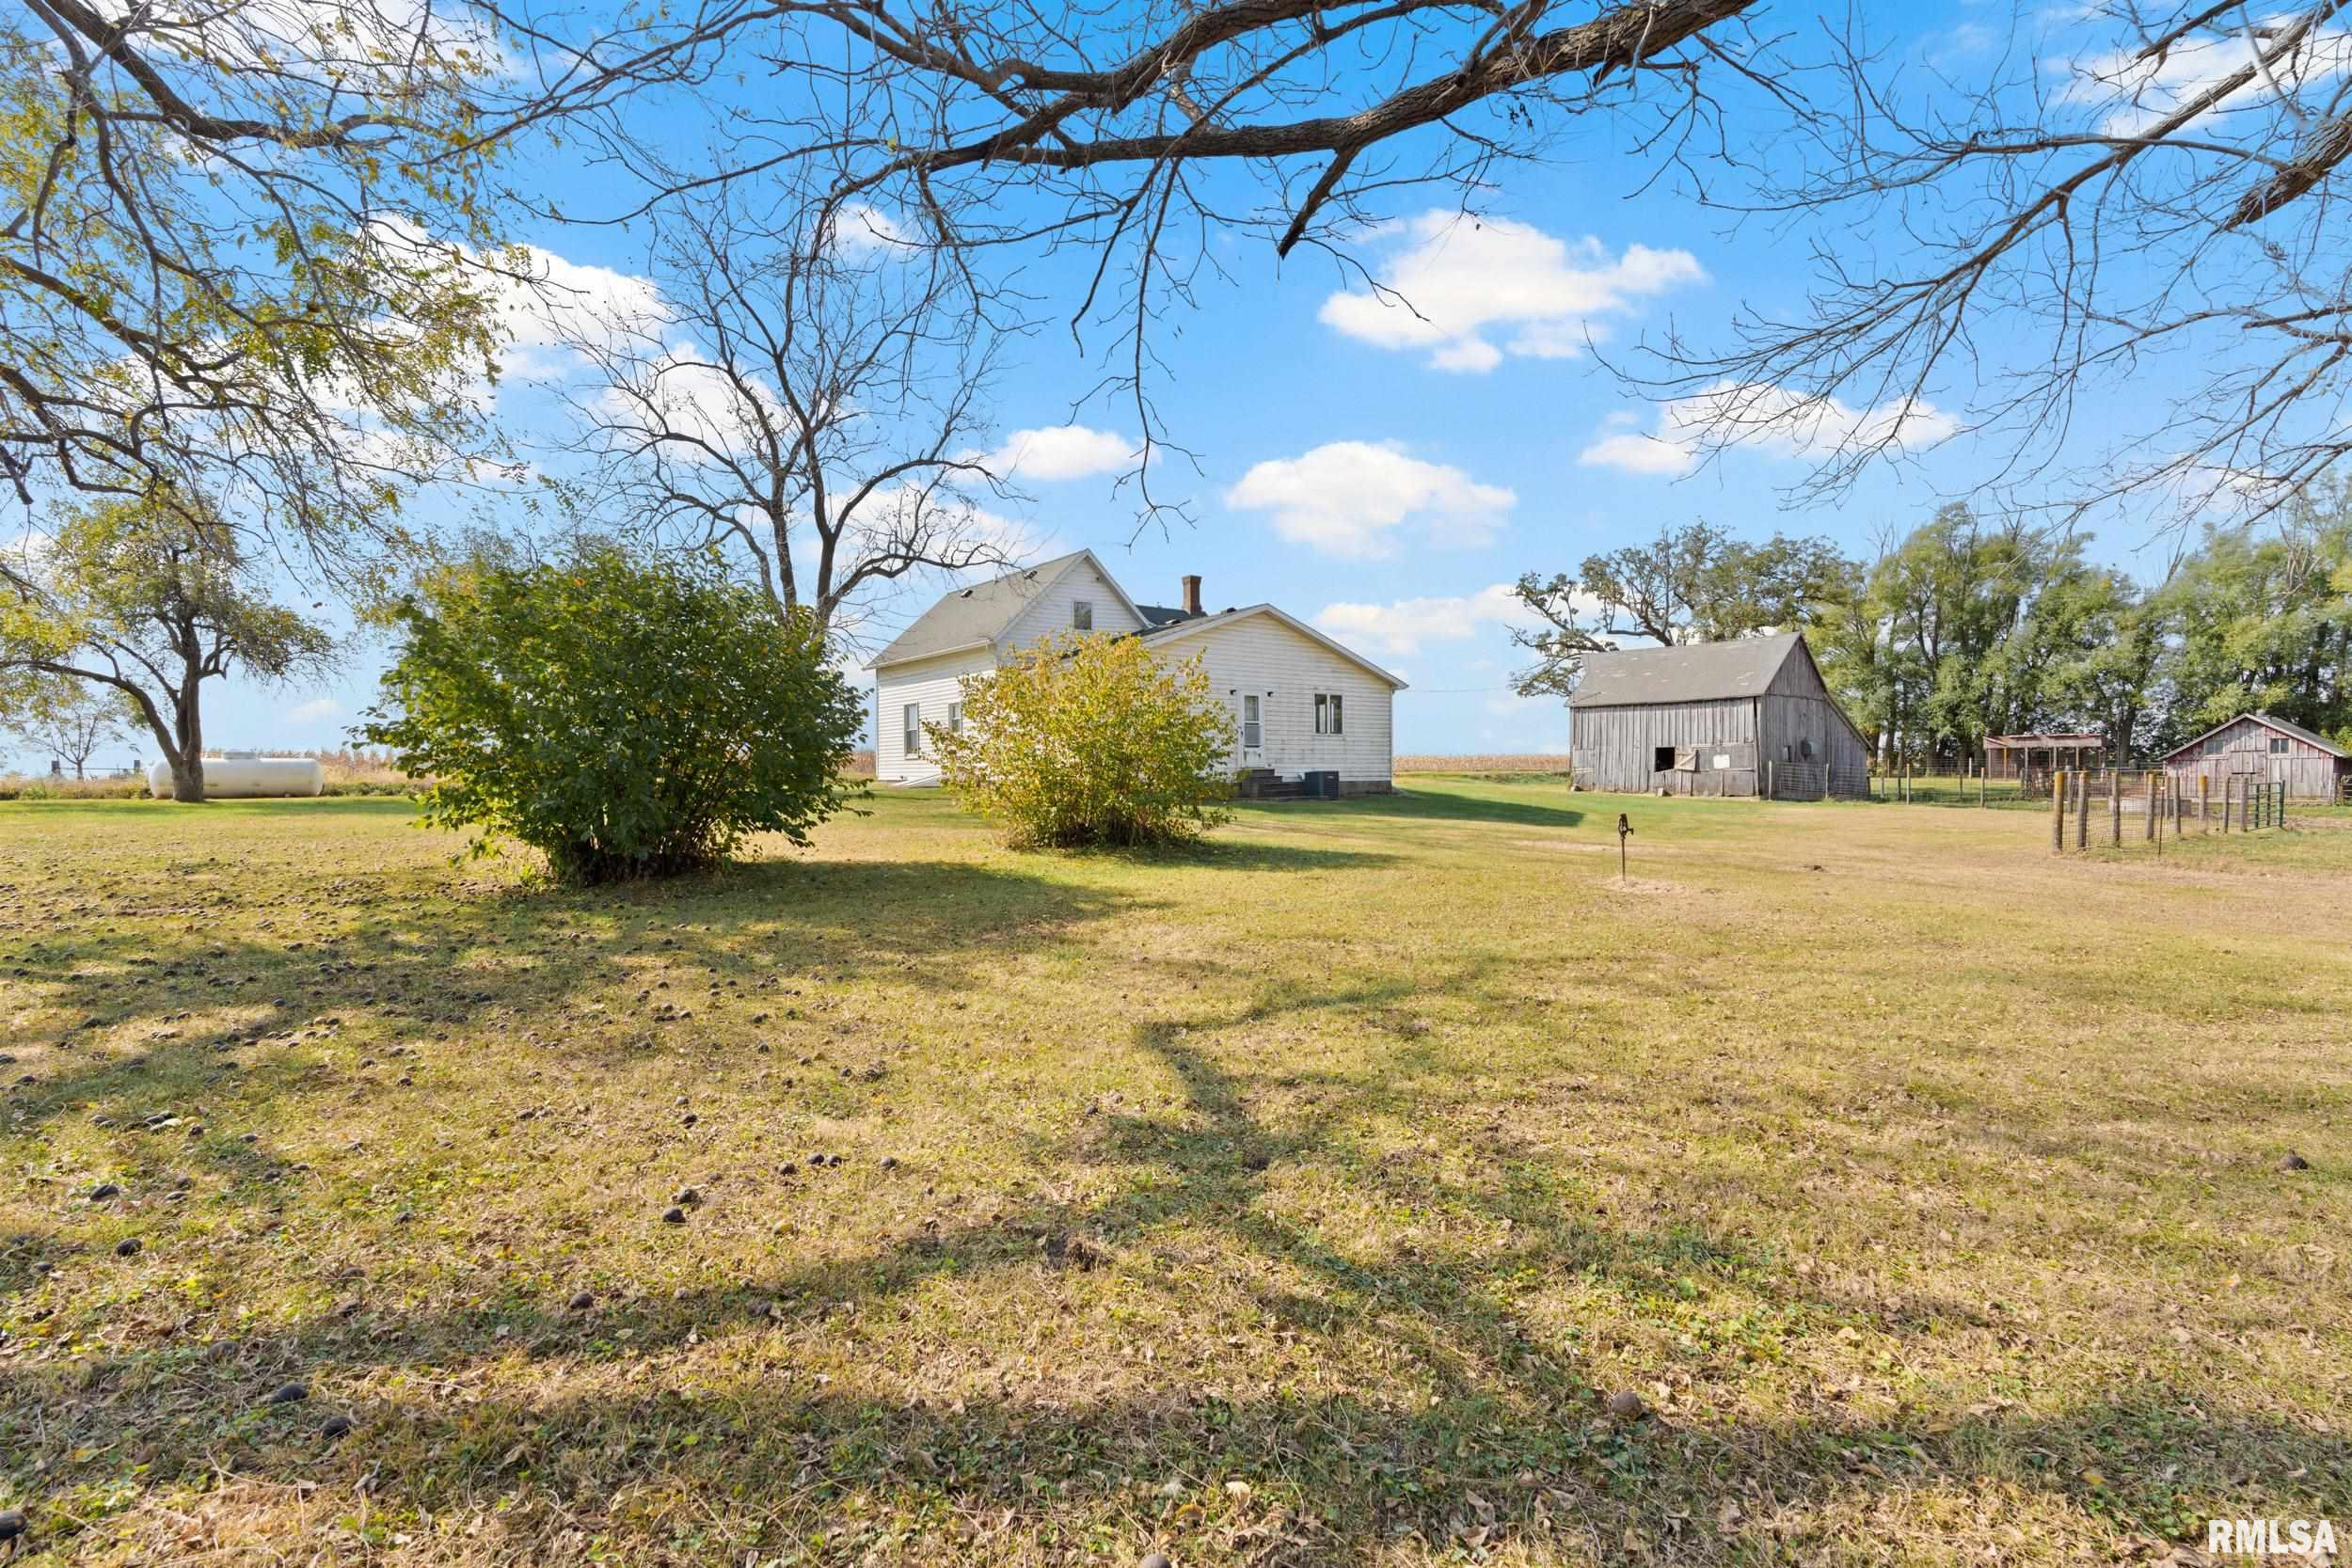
point(1087, 740)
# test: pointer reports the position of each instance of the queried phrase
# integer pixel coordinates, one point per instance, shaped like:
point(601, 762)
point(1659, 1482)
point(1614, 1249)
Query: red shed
point(2257, 747)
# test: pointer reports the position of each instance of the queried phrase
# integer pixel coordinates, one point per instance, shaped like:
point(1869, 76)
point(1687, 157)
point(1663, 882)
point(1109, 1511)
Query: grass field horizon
point(1303, 1198)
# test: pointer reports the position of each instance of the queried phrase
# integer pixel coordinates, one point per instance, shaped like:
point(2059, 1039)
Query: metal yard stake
point(1625, 831)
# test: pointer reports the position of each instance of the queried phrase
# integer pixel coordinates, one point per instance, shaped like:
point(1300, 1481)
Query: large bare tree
point(1122, 142)
point(2142, 199)
point(2147, 205)
point(811, 399)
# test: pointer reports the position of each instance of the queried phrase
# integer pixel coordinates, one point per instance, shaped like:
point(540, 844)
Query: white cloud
point(557, 302)
point(1769, 419)
point(683, 391)
point(1458, 277)
point(1348, 498)
point(861, 229)
point(2136, 91)
point(316, 711)
point(1637, 453)
point(1404, 625)
point(1062, 452)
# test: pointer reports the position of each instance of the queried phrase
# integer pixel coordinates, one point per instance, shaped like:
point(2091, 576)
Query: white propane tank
point(247, 776)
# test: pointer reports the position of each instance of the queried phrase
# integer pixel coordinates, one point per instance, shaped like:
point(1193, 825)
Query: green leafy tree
point(2262, 619)
point(149, 599)
point(1090, 739)
point(1693, 583)
point(248, 249)
point(626, 717)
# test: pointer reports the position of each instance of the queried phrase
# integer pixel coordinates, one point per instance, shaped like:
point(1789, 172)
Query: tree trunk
point(188, 758)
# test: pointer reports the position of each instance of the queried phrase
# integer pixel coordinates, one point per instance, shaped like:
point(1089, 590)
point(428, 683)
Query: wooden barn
point(1750, 717)
point(2257, 748)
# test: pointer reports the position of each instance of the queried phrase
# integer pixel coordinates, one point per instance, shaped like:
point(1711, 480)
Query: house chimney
point(1192, 595)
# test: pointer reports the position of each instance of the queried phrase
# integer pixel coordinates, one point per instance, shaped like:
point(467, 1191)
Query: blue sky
point(1381, 476)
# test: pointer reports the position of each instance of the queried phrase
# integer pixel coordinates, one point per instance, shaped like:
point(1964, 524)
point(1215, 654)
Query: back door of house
point(1250, 725)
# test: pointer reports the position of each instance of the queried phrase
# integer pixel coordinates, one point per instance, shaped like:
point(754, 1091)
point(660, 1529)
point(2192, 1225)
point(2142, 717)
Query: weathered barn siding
point(1789, 722)
point(1744, 717)
point(1616, 748)
point(2249, 750)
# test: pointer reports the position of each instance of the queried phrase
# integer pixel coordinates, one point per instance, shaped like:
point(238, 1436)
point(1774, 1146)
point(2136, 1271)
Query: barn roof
point(1698, 673)
point(2282, 726)
point(967, 617)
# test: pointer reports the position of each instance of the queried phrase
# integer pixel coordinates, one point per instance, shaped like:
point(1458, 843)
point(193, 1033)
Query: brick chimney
point(1192, 595)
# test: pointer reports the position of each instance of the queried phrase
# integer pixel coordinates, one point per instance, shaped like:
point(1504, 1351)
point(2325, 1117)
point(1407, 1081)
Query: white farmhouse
point(1304, 707)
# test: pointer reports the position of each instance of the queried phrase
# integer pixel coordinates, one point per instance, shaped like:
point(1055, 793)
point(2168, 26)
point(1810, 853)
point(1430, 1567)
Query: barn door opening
point(1662, 759)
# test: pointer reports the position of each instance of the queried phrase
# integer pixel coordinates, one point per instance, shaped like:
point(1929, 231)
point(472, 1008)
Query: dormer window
point(1082, 615)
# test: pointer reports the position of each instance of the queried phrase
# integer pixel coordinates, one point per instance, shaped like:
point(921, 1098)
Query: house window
point(1330, 715)
point(2278, 745)
point(955, 717)
point(914, 728)
point(1082, 615)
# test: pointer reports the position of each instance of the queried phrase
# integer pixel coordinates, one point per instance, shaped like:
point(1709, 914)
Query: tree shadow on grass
point(141, 1026)
point(1424, 805)
point(1395, 1389)
point(544, 1421)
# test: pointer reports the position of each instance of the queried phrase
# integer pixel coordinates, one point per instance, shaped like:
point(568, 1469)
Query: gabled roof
point(1161, 635)
point(2297, 731)
point(1158, 615)
point(975, 616)
point(1695, 673)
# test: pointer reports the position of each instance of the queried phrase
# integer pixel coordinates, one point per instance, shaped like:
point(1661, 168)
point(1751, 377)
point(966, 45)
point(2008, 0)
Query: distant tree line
point(1968, 627)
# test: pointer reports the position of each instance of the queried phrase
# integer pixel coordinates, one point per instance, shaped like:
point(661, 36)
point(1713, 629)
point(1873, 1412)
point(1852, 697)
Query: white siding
point(1052, 611)
point(1260, 653)
point(934, 683)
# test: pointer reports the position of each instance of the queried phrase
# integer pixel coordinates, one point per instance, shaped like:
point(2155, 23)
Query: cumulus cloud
point(1349, 499)
point(2136, 90)
point(1458, 284)
point(316, 711)
point(1404, 625)
point(1062, 452)
point(863, 228)
point(1767, 418)
point(557, 302)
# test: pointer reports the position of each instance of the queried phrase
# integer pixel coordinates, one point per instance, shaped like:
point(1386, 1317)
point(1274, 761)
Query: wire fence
point(2030, 788)
point(1950, 786)
point(2114, 807)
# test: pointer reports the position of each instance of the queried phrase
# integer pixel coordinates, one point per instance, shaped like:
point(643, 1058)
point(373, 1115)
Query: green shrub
point(1091, 740)
point(628, 717)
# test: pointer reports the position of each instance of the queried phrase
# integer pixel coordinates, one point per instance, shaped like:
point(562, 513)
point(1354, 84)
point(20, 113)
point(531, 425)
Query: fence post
point(2283, 803)
point(2082, 810)
point(2148, 830)
point(2115, 809)
point(2057, 813)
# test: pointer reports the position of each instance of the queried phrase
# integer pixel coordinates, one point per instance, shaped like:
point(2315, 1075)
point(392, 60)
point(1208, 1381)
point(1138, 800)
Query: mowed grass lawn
point(1300, 1201)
